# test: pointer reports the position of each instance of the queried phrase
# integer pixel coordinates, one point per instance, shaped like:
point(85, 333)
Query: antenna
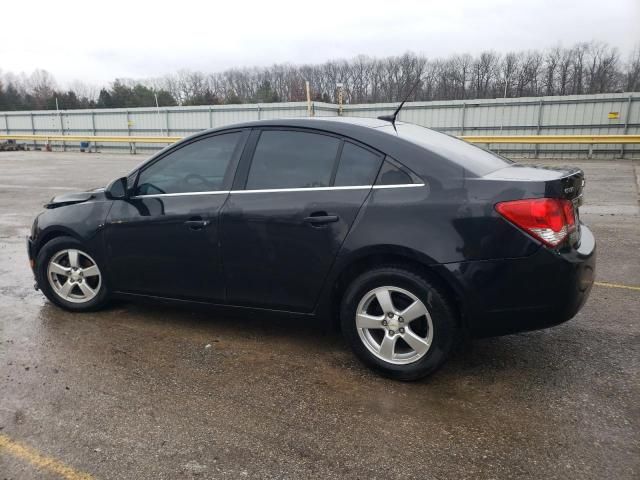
point(392, 118)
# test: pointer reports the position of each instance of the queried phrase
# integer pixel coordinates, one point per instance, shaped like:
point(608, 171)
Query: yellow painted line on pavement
point(39, 460)
point(616, 285)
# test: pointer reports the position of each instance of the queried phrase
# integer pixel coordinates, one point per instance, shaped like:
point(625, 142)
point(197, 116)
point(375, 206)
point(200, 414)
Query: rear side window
point(358, 166)
point(392, 175)
point(292, 159)
point(197, 167)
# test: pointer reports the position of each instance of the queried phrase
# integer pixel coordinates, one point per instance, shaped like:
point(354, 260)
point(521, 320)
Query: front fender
point(83, 221)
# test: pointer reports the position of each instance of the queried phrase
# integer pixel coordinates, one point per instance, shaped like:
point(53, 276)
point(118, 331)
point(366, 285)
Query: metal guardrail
point(554, 139)
point(89, 138)
point(514, 139)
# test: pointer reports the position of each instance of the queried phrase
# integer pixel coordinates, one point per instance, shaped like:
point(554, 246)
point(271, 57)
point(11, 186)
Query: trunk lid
point(559, 182)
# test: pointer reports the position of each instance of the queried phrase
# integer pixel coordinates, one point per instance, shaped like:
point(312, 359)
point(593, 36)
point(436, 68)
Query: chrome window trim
point(282, 190)
point(183, 194)
point(400, 185)
point(303, 189)
point(312, 189)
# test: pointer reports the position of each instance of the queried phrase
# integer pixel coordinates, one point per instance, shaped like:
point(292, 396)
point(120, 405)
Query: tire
point(87, 290)
point(419, 344)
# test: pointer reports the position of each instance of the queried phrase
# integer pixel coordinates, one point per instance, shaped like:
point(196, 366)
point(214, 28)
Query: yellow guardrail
point(536, 139)
point(89, 138)
point(583, 139)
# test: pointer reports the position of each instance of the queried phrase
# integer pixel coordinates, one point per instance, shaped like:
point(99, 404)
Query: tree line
point(584, 68)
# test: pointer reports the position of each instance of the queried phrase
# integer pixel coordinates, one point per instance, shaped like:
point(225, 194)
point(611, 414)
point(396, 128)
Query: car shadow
point(532, 357)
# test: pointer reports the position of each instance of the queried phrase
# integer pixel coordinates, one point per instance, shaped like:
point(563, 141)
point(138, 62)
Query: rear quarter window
point(357, 166)
point(392, 175)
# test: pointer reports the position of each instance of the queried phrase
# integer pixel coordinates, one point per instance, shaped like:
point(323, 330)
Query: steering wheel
point(193, 179)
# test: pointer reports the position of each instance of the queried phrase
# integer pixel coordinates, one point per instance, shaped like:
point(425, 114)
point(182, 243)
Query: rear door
point(163, 240)
point(294, 200)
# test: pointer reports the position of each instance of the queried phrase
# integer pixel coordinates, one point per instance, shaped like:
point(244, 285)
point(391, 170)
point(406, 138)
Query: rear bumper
point(515, 295)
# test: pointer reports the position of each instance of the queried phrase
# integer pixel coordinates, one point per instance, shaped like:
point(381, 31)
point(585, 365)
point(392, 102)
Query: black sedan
point(409, 237)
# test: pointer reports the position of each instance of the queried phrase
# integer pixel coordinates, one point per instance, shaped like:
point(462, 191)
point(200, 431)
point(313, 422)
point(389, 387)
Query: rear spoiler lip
point(532, 173)
point(565, 182)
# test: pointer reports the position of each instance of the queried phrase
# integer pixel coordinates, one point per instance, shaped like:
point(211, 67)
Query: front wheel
point(398, 322)
point(69, 276)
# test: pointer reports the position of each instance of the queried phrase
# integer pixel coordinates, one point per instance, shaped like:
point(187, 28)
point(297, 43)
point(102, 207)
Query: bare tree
point(583, 68)
point(485, 71)
point(601, 71)
point(632, 73)
point(508, 70)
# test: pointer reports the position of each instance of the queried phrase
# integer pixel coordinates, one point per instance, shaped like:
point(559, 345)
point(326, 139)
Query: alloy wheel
point(74, 276)
point(394, 325)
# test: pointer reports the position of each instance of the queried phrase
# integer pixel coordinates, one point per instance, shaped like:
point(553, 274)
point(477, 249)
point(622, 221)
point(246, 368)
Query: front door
point(163, 240)
point(283, 226)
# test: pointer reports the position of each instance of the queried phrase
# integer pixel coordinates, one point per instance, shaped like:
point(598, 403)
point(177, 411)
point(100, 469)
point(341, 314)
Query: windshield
point(472, 158)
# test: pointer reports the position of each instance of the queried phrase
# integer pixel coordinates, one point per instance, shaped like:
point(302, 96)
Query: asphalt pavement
point(147, 391)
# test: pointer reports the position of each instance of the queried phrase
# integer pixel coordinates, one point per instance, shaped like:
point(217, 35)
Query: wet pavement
point(133, 392)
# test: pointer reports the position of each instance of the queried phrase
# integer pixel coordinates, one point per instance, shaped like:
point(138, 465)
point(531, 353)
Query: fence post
point(626, 124)
point(93, 129)
point(464, 109)
point(64, 144)
point(132, 148)
point(166, 121)
point(33, 131)
point(6, 123)
point(537, 146)
point(210, 117)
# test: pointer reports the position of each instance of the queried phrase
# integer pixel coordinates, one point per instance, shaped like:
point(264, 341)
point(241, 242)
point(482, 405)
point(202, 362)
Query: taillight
point(549, 220)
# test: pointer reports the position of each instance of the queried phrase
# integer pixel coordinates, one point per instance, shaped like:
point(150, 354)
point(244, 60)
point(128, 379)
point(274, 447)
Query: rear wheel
point(69, 276)
point(398, 322)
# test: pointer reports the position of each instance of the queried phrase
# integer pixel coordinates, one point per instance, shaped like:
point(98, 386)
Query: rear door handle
point(321, 218)
point(196, 223)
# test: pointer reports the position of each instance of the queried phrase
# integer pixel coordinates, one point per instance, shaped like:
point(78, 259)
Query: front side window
point(292, 159)
point(197, 167)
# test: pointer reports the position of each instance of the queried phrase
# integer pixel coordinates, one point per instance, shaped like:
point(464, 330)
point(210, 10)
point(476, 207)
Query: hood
point(71, 198)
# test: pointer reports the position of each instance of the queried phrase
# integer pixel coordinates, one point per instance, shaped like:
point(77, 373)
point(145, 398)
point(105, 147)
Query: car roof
point(372, 131)
point(314, 122)
point(438, 152)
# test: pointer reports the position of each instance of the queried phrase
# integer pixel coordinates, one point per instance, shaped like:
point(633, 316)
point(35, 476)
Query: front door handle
point(321, 218)
point(196, 223)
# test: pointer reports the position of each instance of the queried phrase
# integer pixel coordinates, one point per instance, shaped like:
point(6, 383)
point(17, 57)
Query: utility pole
point(309, 110)
point(158, 110)
point(339, 87)
point(64, 144)
point(504, 100)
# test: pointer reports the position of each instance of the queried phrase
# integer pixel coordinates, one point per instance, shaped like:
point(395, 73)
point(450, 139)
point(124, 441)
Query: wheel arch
point(390, 255)
point(50, 233)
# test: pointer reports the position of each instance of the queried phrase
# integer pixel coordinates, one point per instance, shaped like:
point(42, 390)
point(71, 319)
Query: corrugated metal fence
point(568, 115)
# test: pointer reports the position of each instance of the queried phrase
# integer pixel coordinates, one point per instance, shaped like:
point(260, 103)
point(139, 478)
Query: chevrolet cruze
point(406, 237)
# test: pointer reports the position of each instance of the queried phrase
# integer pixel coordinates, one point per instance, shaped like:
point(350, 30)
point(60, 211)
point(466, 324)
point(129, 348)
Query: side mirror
point(117, 190)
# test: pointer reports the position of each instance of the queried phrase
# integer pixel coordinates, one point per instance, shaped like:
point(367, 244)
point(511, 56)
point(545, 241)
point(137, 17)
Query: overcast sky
point(98, 41)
